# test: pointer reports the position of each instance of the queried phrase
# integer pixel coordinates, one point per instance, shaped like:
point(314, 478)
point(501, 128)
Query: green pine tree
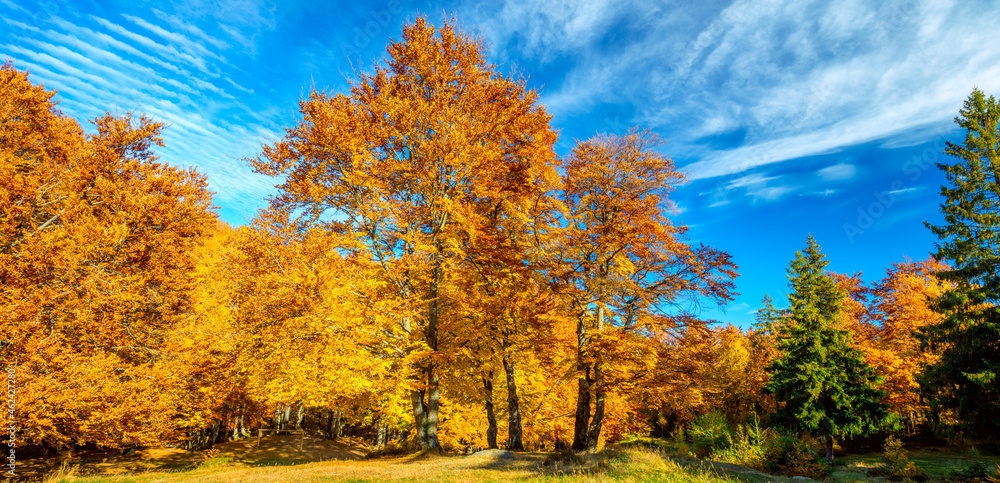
point(822, 384)
point(965, 378)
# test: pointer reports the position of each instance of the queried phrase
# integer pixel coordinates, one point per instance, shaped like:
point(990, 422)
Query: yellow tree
point(510, 309)
point(623, 266)
point(284, 323)
point(399, 169)
point(680, 385)
point(736, 394)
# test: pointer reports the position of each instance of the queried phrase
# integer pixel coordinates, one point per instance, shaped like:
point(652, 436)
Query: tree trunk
point(581, 425)
point(214, 435)
point(334, 424)
point(433, 398)
point(417, 399)
point(300, 416)
point(491, 416)
point(433, 382)
point(243, 428)
point(514, 433)
point(594, 433)
point(828, 438)
point(236, 424)
point(380, 439)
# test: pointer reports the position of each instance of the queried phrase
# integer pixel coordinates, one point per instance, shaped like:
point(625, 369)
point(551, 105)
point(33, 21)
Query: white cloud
point(801, 78)
point(826, 192)
point(165, 50)
point(837, 172)
point(749, 180)
point(190, 46)
point(769, 193)
point(756, 185)
point(179, 24)
point(546, 28)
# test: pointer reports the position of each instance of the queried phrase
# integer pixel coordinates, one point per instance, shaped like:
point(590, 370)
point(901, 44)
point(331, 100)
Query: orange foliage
point(423, 261)
point(901, 306)
point(96, 254)
point(884, 319)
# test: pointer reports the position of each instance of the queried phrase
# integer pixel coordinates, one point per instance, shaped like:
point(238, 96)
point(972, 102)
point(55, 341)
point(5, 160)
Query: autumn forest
point(432, 276)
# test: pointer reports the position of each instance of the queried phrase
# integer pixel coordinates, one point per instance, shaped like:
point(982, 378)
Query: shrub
point(797, 456)
point(897, 465)
point(678, 443)
point(709, 433)
point(975, 472)
point(216, 462)
point(392, 448)
point(749, 446)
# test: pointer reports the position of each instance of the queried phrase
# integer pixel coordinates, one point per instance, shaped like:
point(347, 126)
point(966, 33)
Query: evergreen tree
point(822, 384)
point(968, 337)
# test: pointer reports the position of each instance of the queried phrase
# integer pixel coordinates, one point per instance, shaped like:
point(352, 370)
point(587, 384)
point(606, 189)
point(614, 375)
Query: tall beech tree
point(96, 259)
point(821, 382)
point(402, 169)
point(966, 379)
point(623, 264)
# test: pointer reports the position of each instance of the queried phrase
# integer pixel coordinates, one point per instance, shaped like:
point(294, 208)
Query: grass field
point(625, 465)
point(278, 459)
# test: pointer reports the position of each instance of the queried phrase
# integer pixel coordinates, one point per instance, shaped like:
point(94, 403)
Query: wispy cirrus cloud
point(796, 78)
point(838, 172)
point(159, 65)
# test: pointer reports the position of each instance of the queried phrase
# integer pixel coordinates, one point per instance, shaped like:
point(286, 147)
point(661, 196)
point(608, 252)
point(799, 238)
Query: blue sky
point(789, 117)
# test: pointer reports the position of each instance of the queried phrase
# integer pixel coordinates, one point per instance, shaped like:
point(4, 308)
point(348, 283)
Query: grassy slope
point(625, 465)
point(622, 463)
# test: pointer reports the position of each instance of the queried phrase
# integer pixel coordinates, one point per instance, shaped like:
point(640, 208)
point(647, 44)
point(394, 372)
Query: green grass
point(939, 464)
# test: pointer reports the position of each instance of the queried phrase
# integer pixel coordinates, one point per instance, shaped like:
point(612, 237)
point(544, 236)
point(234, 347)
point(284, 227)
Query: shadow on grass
point(275, 450)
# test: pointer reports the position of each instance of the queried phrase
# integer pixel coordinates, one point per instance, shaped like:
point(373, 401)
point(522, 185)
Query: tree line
point(432, 274)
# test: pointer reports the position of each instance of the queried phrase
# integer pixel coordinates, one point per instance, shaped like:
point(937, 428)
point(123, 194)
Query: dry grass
point(281, 450)
point(624, 465)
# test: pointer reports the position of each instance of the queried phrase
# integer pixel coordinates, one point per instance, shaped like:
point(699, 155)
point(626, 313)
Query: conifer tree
point(965, 377)
point(821, 383)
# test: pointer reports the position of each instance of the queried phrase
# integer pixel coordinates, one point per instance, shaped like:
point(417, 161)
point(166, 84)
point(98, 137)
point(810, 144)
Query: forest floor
point(279, 460)
point(940, 464)
point(270, 451)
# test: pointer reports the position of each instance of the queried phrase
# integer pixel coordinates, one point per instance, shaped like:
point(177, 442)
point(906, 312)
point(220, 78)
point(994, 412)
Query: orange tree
point(96, 254)
point(901, 306)
point(400, 171)
point(622, 265)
